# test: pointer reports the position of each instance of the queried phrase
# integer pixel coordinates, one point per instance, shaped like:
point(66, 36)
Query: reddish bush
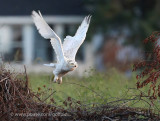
point(150, 67)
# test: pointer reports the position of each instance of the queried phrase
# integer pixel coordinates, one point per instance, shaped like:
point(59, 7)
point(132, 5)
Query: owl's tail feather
point(53, 65)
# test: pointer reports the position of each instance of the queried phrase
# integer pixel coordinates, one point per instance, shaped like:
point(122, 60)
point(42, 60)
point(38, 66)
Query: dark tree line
point(141, 16)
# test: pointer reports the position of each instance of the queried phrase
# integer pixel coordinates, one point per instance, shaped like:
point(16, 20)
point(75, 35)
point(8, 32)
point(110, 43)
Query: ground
point(99, 88)
point(100, 96)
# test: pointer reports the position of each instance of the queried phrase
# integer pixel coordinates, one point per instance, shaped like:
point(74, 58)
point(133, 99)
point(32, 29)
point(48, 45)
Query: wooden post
point(28, 44)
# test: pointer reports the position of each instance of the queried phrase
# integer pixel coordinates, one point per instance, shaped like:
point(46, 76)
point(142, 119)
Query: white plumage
point(65, 53)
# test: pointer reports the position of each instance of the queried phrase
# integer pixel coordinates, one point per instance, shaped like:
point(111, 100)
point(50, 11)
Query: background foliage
point(140, 16)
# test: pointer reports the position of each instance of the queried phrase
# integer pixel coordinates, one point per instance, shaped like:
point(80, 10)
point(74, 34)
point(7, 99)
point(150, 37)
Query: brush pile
point(18, 102)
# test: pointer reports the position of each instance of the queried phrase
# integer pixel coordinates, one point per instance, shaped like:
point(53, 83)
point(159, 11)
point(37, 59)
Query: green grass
point(99, 88)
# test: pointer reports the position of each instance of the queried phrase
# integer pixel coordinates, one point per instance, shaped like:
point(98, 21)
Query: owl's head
point(72, 64)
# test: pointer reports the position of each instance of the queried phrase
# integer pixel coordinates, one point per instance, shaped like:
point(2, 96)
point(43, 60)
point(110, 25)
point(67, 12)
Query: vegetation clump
point(150, 67)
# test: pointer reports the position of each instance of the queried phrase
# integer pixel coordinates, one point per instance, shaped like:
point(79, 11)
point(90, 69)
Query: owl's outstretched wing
point(48, 33)
point(72, 44)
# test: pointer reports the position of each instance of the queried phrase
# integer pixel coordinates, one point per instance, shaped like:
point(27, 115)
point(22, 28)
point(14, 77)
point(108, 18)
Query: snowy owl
point(65, 52)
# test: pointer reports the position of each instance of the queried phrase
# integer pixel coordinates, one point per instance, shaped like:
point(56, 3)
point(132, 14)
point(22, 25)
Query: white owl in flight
point(65, 52)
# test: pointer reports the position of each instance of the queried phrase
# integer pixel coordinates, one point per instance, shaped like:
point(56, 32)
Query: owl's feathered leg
point(60, 80)
point(55, 78)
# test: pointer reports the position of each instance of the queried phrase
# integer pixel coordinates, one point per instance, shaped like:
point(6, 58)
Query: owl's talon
point(55, 79)
point(60, 80)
